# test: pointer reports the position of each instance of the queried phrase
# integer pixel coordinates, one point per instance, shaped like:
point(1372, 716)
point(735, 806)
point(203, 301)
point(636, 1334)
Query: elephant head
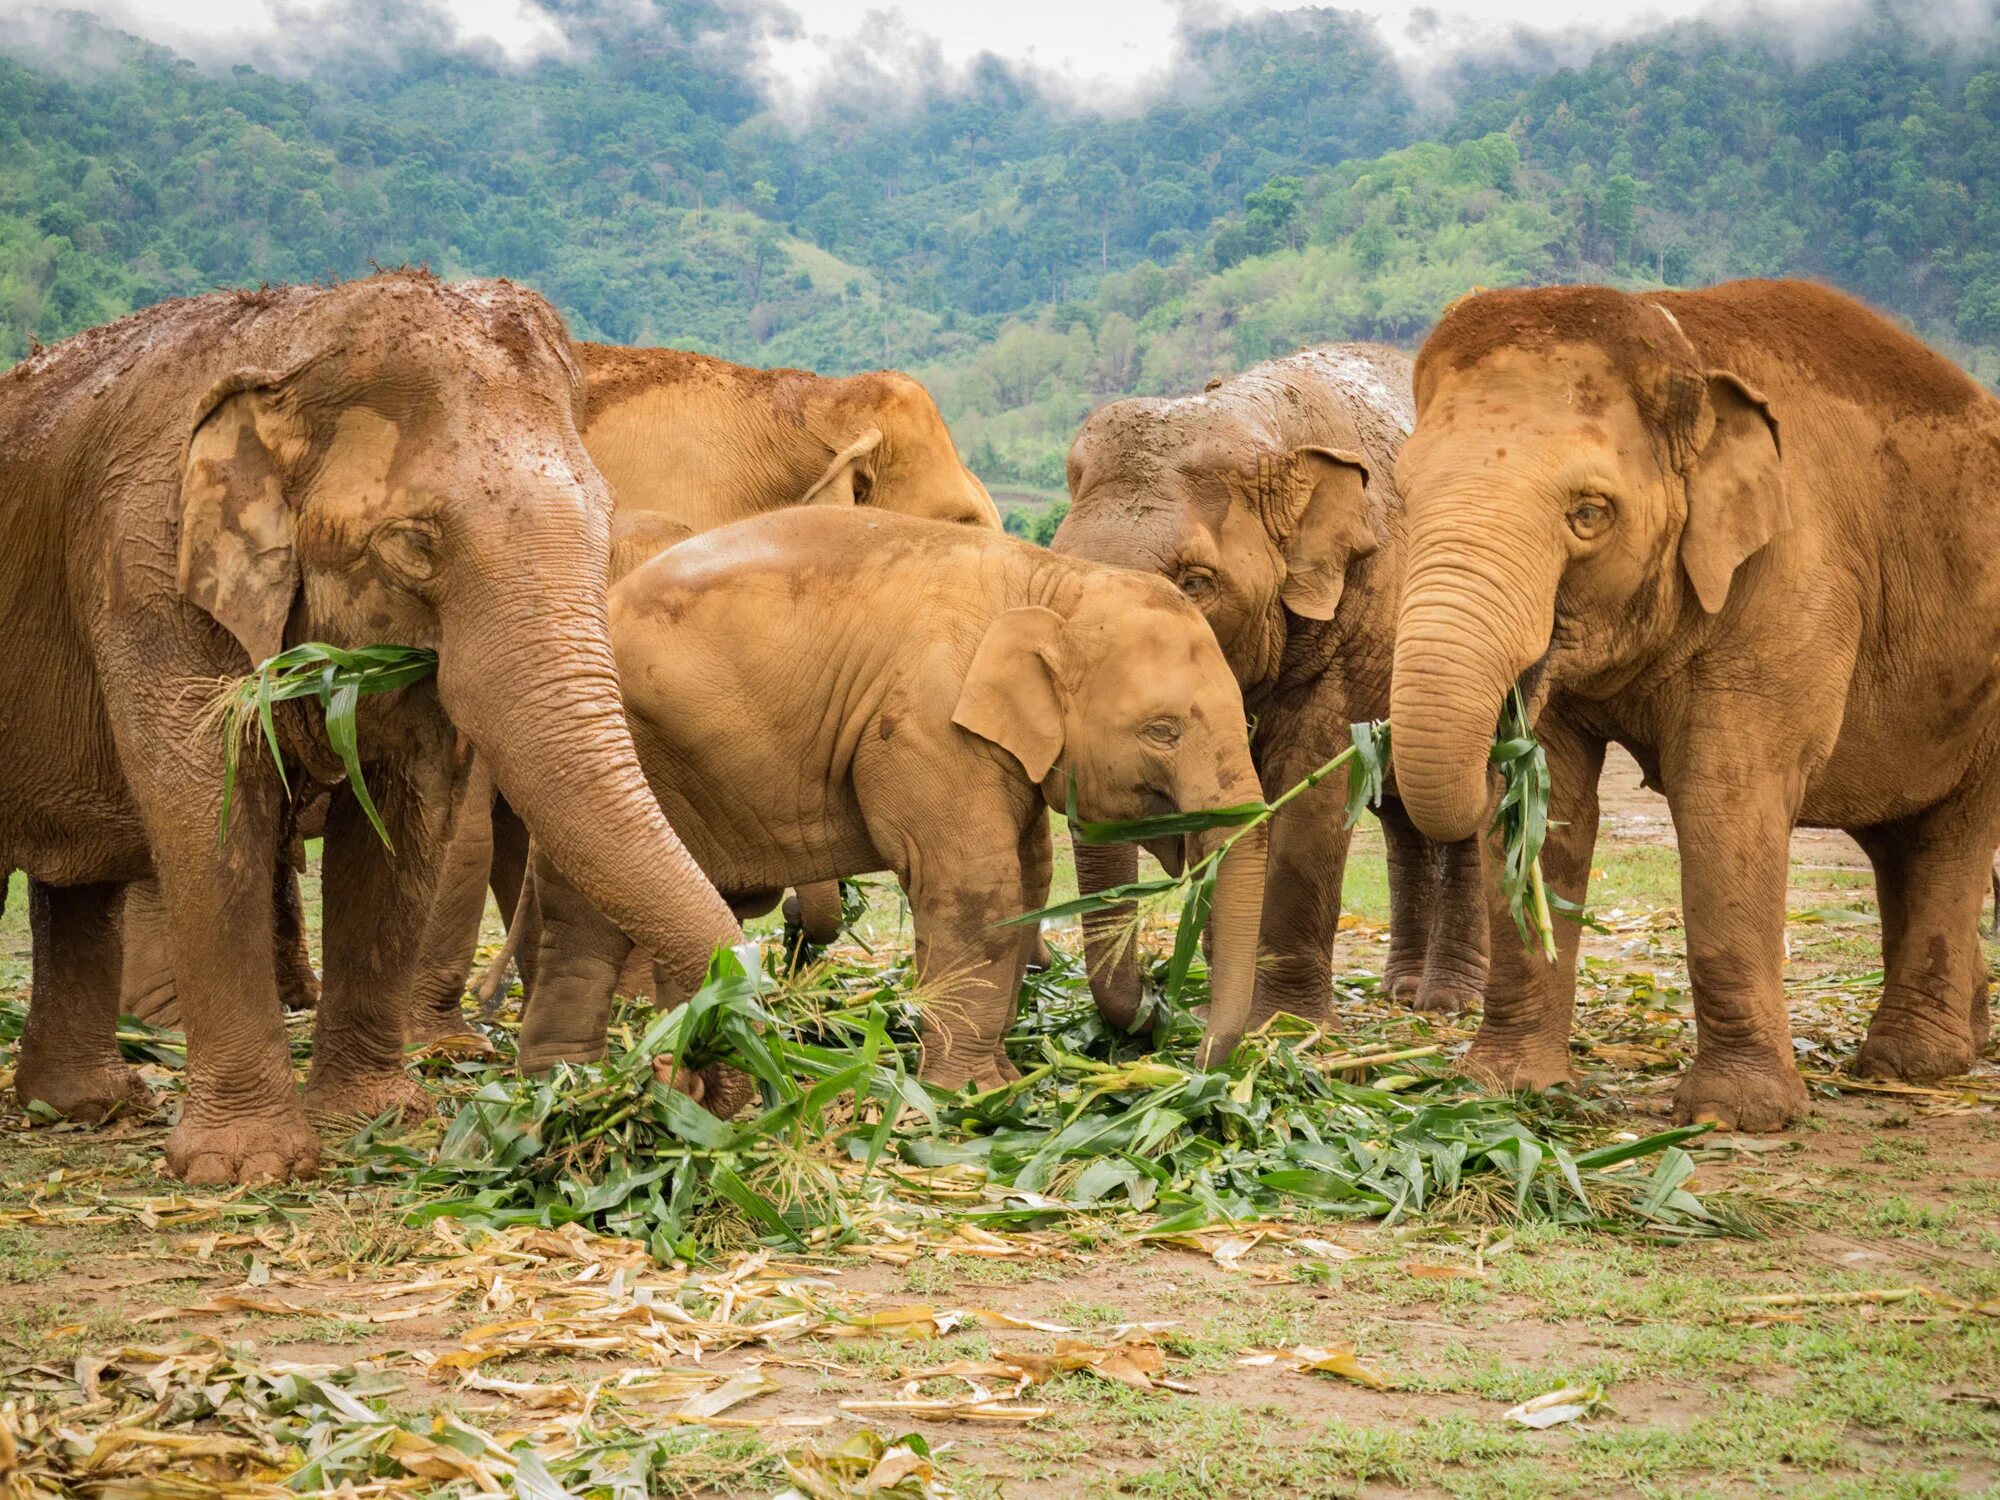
point(1579, 485)
point(1125, 696)
point(1249, 528)
point(900, 456)
point(408, 470)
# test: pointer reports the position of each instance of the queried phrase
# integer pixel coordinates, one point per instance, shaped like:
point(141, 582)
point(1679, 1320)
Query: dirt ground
point(1880, 1376)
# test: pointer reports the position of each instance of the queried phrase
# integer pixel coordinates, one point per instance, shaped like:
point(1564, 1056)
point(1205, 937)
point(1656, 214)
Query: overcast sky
point(1095, 51)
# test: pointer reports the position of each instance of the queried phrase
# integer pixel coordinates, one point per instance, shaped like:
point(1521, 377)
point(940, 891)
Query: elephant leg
point(1307, 865)
point(1733, 814)
point(968, 967)
point(1038, 870)
point(582, 954)
point(511, 854)
point(375, 906)
point(1455, 961)
point(69, 1047)
point(298, 985)
point(1110, 936)
point(146, 982)
point(241, 1120)
point(452, 919)
point(1931, 875)
point(1413, 901)
point(812, 920)
point(1523, 1039)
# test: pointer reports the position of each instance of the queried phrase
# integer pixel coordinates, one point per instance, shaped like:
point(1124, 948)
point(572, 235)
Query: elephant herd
point(706, 633)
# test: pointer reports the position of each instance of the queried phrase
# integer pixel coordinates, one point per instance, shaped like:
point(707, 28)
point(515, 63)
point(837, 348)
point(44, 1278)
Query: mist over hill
point(1287, 180)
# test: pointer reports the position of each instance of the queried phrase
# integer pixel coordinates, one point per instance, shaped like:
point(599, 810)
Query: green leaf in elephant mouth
point(339, 679)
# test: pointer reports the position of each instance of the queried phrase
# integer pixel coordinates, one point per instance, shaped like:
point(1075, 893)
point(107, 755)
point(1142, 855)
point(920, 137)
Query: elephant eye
point(1197, 583)
point(1590, 516)
point(1163, 732)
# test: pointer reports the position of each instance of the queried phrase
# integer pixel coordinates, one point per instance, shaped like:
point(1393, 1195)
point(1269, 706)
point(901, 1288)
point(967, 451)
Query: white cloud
point(297, 31)
point(1096, 53)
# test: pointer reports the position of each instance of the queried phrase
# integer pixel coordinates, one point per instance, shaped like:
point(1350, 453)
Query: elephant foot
point(1401, 982)
point(92, 1095)
point(1755, 1093)
point(1911, 1052)
point(344, 1101)
point(298, 989)
point(1040, 959)
point(1436, 995)
point(954, 1074)
point(541, 1057)
point(243, 1150)
point(1314, 1007)
point(434, 1024)
point(717, 1088)
point(1510, 1068)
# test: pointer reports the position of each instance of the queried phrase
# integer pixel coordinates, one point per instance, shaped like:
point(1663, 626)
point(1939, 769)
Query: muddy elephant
point(1270, 501)
point(688, 442)
point(198, 485)
point(915, 698)
point(1751, 533)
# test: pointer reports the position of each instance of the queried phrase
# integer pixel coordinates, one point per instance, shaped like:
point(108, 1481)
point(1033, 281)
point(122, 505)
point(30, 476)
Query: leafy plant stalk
point(1521, 819)
point(339, 679)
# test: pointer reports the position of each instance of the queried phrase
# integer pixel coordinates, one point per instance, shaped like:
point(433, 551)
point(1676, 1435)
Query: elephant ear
point(1009, 696)
point(850, 478)
point(1330, 532)
point(1735, 490)
point(236, 557)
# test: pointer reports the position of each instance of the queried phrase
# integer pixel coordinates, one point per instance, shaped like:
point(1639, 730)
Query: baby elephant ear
point(1331, 530)
point(236, 558)
point(1010, 697)
point(1735, 490)
point(850, 478)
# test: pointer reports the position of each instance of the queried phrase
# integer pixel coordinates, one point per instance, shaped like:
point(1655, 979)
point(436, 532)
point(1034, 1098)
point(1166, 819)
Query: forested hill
point(1027, 258)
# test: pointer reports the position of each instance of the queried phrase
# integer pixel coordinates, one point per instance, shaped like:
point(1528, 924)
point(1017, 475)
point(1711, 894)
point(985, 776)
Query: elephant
point(916, 697)
point(198, 485)
point(1269, 500)
point(688, 442)
point(1752, 534)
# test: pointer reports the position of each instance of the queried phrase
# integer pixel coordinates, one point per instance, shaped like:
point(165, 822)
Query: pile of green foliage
point(1099, 1124)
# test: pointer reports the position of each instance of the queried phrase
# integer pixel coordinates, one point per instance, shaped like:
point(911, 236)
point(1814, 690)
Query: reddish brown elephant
point(198, 485)
point(1269, 499)
point(688, 442)
point(1752, 534)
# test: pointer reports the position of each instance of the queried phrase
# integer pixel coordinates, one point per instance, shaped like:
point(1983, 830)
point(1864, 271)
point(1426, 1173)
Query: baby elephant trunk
point(1234, 918)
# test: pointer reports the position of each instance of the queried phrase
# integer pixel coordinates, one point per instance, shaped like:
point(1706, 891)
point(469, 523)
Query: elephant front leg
point(1456, 959)
point(1523, 1040)
point(1110, 936)
point(1038, 869)
point(582, 952)
point(1733, 820)
point(968, 966)
point(1413, 900)
point(69, 1047)
point(376, 903)
point(436, 1007)
point(1301, 921)
point(1931, 875)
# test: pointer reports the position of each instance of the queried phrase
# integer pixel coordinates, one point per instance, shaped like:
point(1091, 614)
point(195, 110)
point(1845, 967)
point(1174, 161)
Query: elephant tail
point(493, 983)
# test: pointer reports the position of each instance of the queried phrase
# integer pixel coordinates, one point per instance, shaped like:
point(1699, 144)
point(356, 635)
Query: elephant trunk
point(1472, 622)
point(1109, 949)
point(532, 683)
point(1234, 917)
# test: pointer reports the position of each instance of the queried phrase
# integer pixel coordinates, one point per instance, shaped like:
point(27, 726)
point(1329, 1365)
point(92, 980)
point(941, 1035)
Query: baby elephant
point(827, 692)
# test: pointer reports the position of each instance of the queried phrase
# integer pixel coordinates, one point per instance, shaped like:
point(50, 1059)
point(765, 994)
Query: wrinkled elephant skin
point(1270, 500)
point(942, 686)
point(1751, 533)
point(191, 489)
